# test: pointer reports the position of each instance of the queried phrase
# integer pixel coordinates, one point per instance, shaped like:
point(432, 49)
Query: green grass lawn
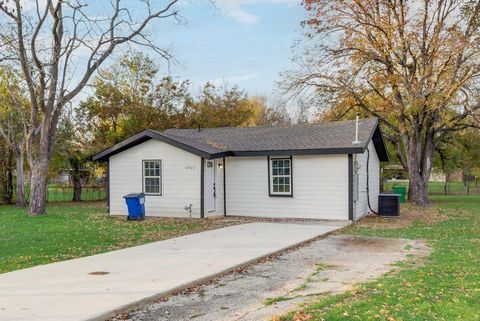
point(445, 287)
point(434, 188)
point(71, 230)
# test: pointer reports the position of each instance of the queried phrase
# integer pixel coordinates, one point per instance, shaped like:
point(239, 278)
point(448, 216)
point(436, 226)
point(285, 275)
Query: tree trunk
point(76, 180)
point(39, 167)
point(409, 192)
point(77, 191)
point(419, 163)
point(38, 187)
point(20, 182)
point(419, 191)
point(8, 197)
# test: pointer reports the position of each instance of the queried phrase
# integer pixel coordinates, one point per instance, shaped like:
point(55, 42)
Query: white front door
point(210, 196)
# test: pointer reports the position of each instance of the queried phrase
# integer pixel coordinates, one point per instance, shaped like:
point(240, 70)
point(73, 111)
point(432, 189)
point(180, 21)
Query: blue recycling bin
point(136, 206)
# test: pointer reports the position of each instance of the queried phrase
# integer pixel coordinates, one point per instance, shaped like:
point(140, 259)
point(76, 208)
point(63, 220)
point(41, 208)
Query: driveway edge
point(136, 304)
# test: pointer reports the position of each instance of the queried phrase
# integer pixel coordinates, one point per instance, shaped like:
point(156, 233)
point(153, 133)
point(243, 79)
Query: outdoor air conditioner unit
point(389, 204)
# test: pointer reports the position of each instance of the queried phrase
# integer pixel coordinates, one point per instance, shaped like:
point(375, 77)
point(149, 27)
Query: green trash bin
point(402, 190)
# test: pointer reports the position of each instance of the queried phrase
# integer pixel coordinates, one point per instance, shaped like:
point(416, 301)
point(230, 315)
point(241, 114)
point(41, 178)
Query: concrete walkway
point(68, 291)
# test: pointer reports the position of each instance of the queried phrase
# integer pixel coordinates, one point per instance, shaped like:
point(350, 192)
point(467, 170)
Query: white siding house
point(312, 171)
point(320, 188)
point(180, 174)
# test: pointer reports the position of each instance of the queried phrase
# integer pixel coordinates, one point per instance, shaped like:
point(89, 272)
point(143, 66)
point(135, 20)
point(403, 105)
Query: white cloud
point(236, 10)
point(236, 78)
point(239, 14)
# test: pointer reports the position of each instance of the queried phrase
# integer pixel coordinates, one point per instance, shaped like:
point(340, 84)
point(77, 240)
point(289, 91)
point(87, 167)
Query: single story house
point(316, 171)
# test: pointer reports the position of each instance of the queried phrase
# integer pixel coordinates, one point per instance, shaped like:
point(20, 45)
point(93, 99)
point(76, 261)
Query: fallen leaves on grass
point(409, 216)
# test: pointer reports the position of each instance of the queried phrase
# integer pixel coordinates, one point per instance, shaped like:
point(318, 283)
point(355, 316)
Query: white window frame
point(144, 177)
point(272, 176)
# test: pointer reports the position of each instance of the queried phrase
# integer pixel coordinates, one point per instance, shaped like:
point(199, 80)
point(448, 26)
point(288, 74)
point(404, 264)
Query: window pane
point(280, 175)
point(152, 174)
point(155, 189)
point(152, 185)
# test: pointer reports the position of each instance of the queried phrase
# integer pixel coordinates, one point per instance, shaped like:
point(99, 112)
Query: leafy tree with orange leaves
point(413, 64)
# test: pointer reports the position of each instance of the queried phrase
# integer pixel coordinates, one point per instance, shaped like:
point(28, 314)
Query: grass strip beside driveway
point(445, 287)
point(70, 230)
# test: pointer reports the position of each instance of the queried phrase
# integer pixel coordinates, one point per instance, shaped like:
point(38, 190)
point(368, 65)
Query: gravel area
point(327, 266)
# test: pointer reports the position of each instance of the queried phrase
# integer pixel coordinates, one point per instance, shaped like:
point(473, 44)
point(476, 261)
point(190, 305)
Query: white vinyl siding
point(320, 188)
point(374, 182)
point(180, 179)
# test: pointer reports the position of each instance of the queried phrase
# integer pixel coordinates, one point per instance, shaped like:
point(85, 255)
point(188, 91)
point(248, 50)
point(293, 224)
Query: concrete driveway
point(95, 287)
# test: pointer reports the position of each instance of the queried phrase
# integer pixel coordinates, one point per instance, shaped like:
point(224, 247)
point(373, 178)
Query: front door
point(210, 186)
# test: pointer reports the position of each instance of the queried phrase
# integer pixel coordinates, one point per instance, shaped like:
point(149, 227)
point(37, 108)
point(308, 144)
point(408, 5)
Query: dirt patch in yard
point(365, 242)
point(326, 266)
point(409, 215)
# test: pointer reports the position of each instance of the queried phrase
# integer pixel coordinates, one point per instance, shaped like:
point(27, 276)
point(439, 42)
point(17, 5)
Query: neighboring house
point(300, 171)
point(65, 176)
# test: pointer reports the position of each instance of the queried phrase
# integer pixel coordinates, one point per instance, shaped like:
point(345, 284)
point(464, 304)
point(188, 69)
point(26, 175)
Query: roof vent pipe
point(356, 141)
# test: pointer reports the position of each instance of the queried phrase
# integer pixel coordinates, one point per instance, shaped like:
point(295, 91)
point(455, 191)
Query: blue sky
point(240, 42)
point(234, 42)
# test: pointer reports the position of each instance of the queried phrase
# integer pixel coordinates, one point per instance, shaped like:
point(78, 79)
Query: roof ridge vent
point(356, 141)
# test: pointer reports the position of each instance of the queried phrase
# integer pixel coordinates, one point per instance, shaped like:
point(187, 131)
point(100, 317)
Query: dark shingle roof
point(313, 138)
point(304, 136)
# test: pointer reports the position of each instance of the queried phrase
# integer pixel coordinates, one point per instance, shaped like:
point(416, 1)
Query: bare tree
point(58, 46)
point(414, 65)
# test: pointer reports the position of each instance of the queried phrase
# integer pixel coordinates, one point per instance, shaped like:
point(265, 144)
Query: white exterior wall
point(320, 188)
point(180, 179)
point(361, 205)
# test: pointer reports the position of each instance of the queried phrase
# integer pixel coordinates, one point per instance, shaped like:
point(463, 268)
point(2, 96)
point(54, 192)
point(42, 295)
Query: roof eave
point(144, 136)
point(134, 140)
point(286, 152)
point(376, 136)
